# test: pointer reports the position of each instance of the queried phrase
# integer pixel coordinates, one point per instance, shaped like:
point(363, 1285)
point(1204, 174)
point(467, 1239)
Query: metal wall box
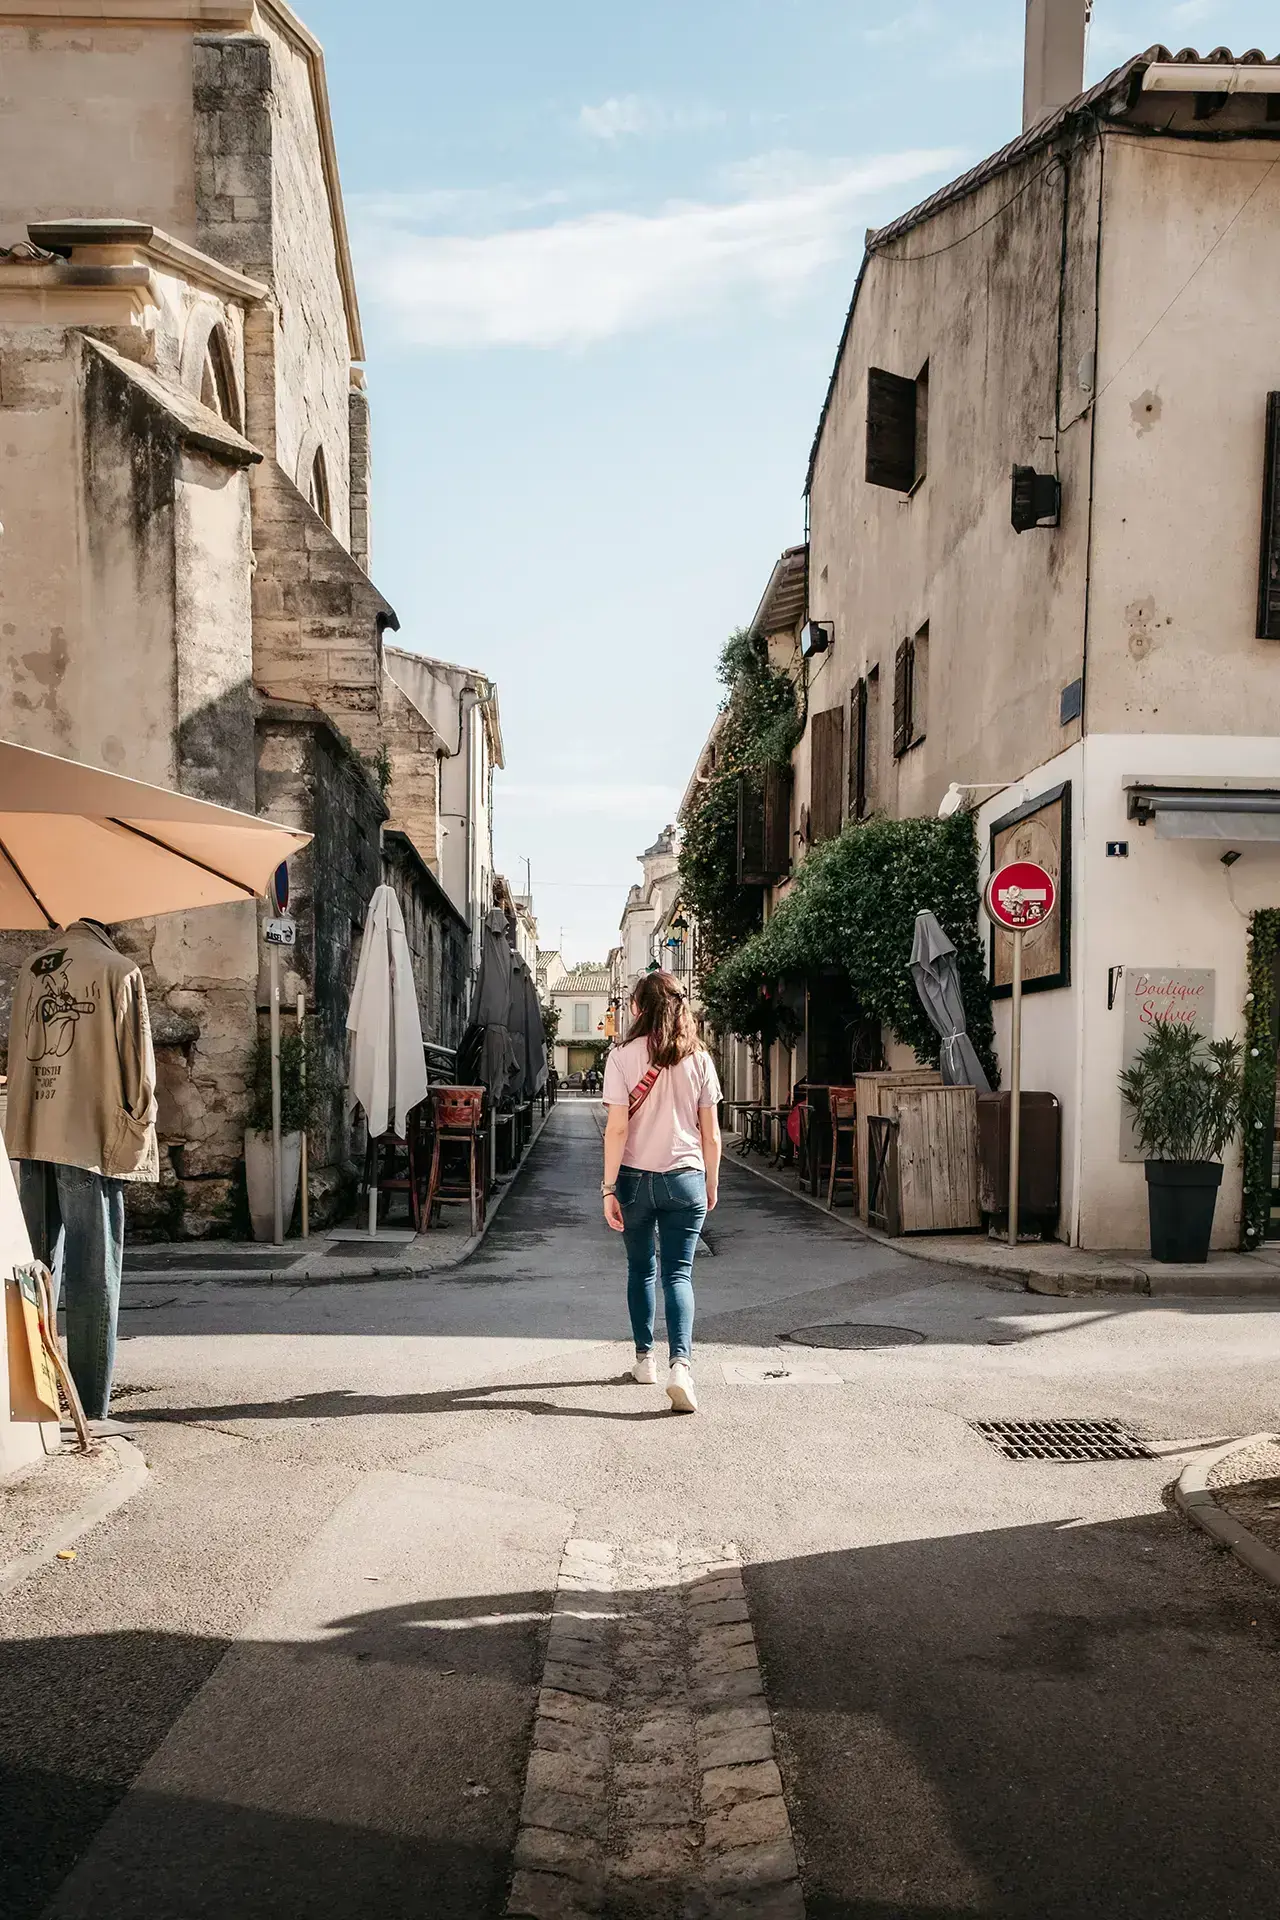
point(1040, 1160)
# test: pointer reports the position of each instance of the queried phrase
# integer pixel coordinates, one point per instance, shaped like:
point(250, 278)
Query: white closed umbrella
point(77, 842)
point(388, 1067)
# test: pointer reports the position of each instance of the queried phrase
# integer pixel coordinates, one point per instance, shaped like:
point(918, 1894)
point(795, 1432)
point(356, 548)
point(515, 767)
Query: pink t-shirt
point(664, 1134)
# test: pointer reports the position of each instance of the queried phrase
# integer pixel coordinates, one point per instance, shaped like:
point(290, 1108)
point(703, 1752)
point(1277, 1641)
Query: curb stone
point(1260, 1280)
point(1195, 1497)
point(99, 1506)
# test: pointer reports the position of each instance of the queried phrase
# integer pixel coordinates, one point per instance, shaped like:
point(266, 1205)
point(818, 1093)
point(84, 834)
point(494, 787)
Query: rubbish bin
point(1039, 1167)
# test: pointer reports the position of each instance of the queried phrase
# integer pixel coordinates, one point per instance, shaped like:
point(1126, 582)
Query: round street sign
point(1020, 896)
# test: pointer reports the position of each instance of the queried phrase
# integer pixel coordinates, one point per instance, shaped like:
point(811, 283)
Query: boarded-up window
point(777, 821)
point(891, 430)
point(826, 777)
point(1269, 560)
point(751, 863)
point(902, 700)
point(858, 750)
point(764, 825)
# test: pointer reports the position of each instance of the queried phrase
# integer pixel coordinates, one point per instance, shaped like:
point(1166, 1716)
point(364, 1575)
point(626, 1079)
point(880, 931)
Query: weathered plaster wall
point(437, 937)
point(1005, 610)
point(98, 122)
point(41, 511)
point(413, 752)
point(311, 778)
point(120, 692)
point(313, 354)
point(1184, 368)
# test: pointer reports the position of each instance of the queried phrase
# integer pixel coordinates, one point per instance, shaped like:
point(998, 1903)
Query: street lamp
point(955, 796)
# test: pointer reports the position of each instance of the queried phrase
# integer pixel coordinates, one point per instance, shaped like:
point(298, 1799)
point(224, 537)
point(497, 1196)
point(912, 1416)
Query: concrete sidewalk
point(347, 1252)
point(1046, 1266)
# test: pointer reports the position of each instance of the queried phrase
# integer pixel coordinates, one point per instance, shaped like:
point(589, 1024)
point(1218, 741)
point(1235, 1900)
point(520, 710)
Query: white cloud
point(576, 281)
point(632, 113)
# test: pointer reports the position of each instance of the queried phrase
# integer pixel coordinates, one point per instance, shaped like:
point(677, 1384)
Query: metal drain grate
point(1062, 1439)
point(853, 1337)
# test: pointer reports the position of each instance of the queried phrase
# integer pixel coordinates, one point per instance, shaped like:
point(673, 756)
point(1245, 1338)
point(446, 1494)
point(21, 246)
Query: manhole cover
point(853, 1336)
point(1062, 1439)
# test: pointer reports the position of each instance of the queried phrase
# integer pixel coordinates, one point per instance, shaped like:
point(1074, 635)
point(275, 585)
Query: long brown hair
point(663, 1018)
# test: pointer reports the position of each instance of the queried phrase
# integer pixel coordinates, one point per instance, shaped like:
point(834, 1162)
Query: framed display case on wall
point(1039, 831)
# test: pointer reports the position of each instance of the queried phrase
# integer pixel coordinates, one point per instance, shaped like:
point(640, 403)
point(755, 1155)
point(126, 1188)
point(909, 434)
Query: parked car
point(573, 1083)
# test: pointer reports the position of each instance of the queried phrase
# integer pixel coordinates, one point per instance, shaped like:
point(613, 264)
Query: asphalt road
point(296, 1675)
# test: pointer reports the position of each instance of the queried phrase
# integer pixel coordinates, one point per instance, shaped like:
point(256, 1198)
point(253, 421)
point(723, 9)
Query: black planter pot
point(1181, 1196)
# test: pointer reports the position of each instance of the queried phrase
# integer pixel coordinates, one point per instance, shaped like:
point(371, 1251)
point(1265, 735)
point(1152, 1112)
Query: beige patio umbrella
point(77, 842)
point(74, 842)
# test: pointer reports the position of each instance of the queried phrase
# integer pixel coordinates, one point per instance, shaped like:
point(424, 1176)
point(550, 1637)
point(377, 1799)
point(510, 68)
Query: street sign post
point(1019, 898)
point(278, 932)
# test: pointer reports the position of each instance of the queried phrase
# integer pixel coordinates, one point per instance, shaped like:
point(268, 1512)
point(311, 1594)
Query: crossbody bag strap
point(641, 1091)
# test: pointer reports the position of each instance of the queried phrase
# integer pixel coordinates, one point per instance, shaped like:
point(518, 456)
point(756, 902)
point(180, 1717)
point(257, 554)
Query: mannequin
point(82, 1122)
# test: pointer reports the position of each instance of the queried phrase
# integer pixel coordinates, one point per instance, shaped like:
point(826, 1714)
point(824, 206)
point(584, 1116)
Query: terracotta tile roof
point(584, 980)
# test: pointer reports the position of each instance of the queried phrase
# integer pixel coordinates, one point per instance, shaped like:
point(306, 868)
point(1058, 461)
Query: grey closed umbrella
point(937, 978)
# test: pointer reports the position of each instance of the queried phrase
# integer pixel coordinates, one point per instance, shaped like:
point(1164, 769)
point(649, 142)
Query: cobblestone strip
point(652, 1788)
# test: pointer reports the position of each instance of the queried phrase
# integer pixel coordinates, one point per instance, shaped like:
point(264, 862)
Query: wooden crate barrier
point(937, 1157)
point(871, 1088)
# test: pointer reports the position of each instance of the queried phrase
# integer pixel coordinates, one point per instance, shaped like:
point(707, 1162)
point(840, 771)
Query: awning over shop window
point(1233, 814)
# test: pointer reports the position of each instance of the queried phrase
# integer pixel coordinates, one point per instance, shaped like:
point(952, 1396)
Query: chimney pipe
point(1053, 58)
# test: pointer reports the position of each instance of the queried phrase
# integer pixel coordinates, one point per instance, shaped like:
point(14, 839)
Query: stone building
point(184, 574)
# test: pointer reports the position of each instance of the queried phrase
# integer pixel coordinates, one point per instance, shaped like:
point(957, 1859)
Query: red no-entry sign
point(1020, 896)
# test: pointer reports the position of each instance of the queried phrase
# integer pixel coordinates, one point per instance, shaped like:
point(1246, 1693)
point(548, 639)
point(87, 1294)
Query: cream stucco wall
point(1005, 611)
point(1170, 903)
point(1185, 362)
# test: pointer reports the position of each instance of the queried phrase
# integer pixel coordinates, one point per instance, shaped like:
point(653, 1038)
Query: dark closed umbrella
point(937, 978)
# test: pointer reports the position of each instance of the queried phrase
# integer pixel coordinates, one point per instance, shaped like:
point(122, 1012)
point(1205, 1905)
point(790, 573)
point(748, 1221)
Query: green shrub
point(1183, 1093)
point(853, 906)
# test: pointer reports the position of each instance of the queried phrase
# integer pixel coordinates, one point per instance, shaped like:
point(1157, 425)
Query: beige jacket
point(82, 1070)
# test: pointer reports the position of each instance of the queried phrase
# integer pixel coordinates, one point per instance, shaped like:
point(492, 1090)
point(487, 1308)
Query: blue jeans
point(674, 1206)
point(76, 1223)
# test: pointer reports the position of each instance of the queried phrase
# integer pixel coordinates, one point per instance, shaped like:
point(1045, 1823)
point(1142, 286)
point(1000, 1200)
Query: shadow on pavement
point(1044, 1722)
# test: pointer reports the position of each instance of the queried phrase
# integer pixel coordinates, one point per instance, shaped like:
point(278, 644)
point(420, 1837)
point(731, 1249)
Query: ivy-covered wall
point(853, 905)
point(762, 723)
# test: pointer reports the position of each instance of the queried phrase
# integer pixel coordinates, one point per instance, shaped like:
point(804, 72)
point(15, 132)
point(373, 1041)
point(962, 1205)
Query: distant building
point(647, 904)
point(582, 995)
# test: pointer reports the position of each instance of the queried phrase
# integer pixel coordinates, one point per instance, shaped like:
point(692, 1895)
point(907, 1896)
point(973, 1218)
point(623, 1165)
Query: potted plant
point(1184, 1095)
point(299, 1092)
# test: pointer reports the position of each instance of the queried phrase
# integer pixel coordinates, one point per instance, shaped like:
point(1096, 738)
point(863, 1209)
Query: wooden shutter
point(777, 821)
point(826, 773)
point(751, 861)
point(891, 430)
point(858, 750)
point(1269, 557)
point(902, 700)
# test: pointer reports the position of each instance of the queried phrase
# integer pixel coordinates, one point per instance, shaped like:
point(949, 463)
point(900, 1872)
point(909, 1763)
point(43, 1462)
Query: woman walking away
point(661, 1169)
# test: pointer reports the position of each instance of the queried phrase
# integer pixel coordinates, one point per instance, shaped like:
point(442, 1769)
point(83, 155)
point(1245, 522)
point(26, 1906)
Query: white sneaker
point(680, 1388)
point(645, 1370)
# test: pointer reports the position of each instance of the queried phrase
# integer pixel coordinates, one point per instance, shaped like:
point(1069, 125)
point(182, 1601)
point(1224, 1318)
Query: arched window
point(218, 381)
point(318, 487)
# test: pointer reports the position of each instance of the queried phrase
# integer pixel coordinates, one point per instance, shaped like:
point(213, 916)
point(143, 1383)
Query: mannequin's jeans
point(76, 1223)
point(672, 1207)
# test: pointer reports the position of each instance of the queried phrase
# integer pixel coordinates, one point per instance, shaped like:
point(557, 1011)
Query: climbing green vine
point(762, 722)
point(853, 906)
point(1259, 1102)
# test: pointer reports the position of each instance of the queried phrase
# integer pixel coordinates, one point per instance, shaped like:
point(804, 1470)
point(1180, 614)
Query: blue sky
point(605, 253)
